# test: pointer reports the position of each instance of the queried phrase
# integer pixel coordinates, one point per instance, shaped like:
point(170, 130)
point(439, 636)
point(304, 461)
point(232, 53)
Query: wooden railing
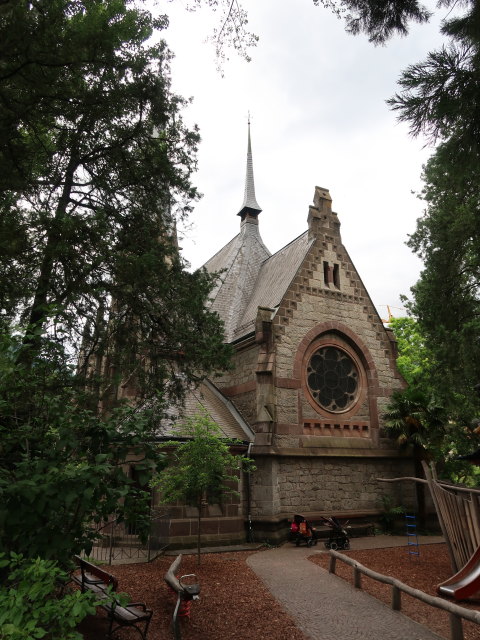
point(457, 613)
point(458, 512)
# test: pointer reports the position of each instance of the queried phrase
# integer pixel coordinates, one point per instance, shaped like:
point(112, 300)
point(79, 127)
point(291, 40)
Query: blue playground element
point(412, 537)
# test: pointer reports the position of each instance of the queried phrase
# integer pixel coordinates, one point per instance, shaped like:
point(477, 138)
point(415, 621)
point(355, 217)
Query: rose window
point(332, 379)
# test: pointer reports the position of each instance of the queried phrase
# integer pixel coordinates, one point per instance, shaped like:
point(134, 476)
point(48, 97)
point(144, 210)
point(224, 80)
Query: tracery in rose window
point(332, 378)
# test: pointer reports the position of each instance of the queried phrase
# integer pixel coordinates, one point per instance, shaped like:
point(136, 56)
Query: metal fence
point(123, 542)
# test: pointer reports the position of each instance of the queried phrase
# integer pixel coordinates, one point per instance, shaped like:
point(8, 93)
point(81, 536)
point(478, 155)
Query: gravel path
point(323, 605)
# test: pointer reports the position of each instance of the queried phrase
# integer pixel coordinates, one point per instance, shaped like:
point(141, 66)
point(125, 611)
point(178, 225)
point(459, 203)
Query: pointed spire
point(250, 205)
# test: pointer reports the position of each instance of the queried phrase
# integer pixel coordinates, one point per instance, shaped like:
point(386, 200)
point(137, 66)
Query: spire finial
point(250, 205)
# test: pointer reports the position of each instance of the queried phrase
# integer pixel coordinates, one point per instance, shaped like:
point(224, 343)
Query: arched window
point(333, 378)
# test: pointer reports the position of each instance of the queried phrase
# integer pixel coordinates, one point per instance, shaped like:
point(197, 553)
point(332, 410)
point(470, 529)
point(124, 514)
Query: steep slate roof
point(274, 277)
point(240, 261)
point(249, 275)
point(207, 398)
point(252, 277)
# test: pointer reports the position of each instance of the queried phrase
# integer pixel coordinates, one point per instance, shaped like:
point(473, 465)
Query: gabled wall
point(308, 458)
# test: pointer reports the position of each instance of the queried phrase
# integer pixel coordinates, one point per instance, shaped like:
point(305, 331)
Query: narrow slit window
point(325, 274)
point(336, 275)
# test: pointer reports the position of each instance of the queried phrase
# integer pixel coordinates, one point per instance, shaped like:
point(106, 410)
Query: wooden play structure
point(458, 511)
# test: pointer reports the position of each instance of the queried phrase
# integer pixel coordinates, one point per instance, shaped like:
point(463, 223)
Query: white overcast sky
point(317, 101)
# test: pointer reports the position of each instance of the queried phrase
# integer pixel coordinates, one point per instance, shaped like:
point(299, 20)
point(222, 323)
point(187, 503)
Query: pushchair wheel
point(333, 546)
point(327, 545)
point(346, 546)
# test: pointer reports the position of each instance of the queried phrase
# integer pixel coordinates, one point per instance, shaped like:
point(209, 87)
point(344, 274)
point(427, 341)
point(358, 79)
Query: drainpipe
point(249, 501)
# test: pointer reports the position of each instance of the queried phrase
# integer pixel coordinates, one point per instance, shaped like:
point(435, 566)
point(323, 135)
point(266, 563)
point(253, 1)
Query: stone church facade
point(313, 370)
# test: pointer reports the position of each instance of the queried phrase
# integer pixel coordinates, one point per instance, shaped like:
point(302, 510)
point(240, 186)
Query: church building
point(313, 370)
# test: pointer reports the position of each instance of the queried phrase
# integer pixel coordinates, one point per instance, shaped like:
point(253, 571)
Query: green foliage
point(202, 467)
point(96, 165)
point(428, 416)
point(414, 418)
point(414, 361)
point(32, 604)
point(95, 169)
point(446, 299)
point(440, 97)
point(62, 467)
point(378, 19)
point(390, 513)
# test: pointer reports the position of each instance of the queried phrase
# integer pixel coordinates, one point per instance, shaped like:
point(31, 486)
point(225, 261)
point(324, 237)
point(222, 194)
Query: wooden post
point(440, 515)
point(396, 598)
point(456, 628)
point(357, 578)
point(333, 562)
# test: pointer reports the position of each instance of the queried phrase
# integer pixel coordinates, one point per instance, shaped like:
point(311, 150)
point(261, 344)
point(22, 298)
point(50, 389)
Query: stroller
point(302, 531)
point(338, 538)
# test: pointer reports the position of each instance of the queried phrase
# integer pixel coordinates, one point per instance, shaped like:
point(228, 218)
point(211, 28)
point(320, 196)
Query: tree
point(95, 168)
point(427, 416)
point(98, 164)
point(441, 96)
point(379, 19)
point(446, 298)
point(202, 467)
point(414, 361)
point(62, 468)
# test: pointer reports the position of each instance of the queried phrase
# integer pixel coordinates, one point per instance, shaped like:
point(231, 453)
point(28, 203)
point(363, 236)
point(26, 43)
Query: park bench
point(104, 585)
point(187, 589)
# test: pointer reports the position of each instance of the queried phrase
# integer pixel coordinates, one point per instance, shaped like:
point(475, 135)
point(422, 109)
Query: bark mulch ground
point(235, 605)
point(424, 572)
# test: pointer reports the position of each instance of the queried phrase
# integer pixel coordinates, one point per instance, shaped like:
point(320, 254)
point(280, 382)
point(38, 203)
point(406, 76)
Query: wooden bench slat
point(104, 585)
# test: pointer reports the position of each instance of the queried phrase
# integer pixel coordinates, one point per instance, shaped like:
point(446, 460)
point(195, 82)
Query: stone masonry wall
point(341, 484)
point(338, 305)
point(245, 362)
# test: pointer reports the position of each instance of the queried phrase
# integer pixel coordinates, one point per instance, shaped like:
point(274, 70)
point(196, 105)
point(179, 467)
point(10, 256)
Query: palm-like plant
point(415, 418)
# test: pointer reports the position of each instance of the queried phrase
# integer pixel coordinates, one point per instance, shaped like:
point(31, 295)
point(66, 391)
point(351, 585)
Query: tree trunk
point(37, 317)
point(200, 506)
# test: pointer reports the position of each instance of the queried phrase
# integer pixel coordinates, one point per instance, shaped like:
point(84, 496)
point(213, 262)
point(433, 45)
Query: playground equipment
point(412, 538)
point(465, 583)
point(458, 511)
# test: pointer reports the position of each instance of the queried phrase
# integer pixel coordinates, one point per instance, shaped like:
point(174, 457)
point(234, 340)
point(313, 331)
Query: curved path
point(324, 606)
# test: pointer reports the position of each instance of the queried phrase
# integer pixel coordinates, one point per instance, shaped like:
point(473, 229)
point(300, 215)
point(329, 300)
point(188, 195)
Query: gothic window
point(332, 379)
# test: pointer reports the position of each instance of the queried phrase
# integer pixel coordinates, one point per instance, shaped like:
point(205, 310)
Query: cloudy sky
point(317, 101)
